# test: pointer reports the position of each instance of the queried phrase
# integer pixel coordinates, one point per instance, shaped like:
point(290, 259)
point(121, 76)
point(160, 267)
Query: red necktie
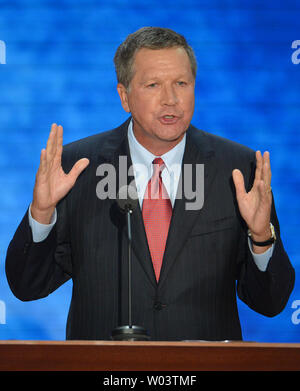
point(157, 213)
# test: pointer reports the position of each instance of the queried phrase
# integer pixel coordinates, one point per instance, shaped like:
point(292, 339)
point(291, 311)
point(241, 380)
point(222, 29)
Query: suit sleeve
point(266, 292)
point(34, 270)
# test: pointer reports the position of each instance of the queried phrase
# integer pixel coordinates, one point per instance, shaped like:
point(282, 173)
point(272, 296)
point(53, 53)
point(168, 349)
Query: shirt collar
point(140, 155)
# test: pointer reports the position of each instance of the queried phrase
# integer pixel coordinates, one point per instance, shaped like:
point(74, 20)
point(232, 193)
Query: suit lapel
point(115, 147)
point(197, 151)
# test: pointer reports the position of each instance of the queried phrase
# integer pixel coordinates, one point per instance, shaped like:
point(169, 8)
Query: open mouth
point(168, 119)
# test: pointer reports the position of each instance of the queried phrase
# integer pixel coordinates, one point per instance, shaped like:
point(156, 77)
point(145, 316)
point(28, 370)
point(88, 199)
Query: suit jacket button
point(158, 306)
point(26, 248)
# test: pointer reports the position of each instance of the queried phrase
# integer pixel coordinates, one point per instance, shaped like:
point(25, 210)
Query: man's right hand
point(52, 183)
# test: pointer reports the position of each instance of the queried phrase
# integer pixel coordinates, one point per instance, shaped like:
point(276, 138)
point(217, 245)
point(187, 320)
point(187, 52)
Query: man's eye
point(181, 83)
point(152, 85)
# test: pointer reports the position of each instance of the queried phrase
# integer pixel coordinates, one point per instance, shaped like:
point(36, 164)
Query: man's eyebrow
point(151, 77)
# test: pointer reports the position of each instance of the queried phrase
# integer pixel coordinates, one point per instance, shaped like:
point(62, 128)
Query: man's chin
point(171, 134)
point(160, 137)
point(172, 139)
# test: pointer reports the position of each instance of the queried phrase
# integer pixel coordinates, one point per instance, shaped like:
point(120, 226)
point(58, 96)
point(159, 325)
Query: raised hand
point(255, 206)
point(52, 183)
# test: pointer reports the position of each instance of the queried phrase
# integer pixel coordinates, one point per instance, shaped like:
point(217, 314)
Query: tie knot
point(158, 161)
point(159, 165)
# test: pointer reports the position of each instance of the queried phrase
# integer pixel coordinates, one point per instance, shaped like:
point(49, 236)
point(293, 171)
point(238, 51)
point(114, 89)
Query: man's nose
point(168, 96)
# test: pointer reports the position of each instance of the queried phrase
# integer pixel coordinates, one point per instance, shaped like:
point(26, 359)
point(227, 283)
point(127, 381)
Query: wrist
point(260, 249)
point(42, 216)
point(266, 238)
point(261, 236)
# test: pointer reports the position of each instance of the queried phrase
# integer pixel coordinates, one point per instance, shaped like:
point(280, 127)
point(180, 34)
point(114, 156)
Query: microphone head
point(127, 198)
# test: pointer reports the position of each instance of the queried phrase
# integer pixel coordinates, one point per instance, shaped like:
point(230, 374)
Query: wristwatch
point(267, 242)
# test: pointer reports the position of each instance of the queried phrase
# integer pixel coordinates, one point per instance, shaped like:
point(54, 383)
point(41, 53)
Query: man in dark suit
point(188, 263)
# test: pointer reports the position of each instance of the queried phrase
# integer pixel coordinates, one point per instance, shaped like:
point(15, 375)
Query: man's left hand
point(255, 206)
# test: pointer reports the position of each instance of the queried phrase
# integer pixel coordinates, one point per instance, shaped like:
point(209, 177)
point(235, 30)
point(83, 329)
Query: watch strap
point(266, 242)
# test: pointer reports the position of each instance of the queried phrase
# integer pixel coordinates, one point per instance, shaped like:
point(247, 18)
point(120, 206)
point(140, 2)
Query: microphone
point(127, 200)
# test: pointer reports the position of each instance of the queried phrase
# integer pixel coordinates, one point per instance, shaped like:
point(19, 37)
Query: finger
point(59, 144)
point(77, 169)
point(51, 142)
point(239, 183)
point(51, 138)
point(43, 160)
point(265, 193)
point(266, 172)
point(60, 136)
point(259, 166)
point(43, 163)
point(55, 141)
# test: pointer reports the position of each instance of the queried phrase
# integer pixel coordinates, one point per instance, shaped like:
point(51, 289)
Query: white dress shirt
point(142, 167)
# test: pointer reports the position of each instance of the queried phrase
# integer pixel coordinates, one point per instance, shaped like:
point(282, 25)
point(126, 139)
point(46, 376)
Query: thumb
point(239, 183)
point(77, 169)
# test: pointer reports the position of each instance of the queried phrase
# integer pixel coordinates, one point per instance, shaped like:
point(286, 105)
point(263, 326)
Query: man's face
point(160, 97)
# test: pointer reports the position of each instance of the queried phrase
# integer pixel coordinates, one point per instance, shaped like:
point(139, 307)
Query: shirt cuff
point(261, 260)
point(41, 231)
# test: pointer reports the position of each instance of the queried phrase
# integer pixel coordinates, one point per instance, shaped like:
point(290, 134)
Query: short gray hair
point(150, 38)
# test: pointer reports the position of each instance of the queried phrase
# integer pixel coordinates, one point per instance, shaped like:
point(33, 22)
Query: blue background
point(59, 68)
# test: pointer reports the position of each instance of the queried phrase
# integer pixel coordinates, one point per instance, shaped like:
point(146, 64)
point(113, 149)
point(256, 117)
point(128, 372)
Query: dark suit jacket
point(206, 261)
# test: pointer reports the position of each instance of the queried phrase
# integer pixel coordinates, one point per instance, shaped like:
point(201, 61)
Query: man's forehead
point(145, 51)
point(152, 60)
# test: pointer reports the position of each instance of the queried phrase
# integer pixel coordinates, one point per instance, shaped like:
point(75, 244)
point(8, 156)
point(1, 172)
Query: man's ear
point(122, 91)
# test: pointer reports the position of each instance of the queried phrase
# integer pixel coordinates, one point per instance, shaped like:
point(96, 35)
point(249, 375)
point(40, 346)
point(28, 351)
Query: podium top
point(148, 356)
